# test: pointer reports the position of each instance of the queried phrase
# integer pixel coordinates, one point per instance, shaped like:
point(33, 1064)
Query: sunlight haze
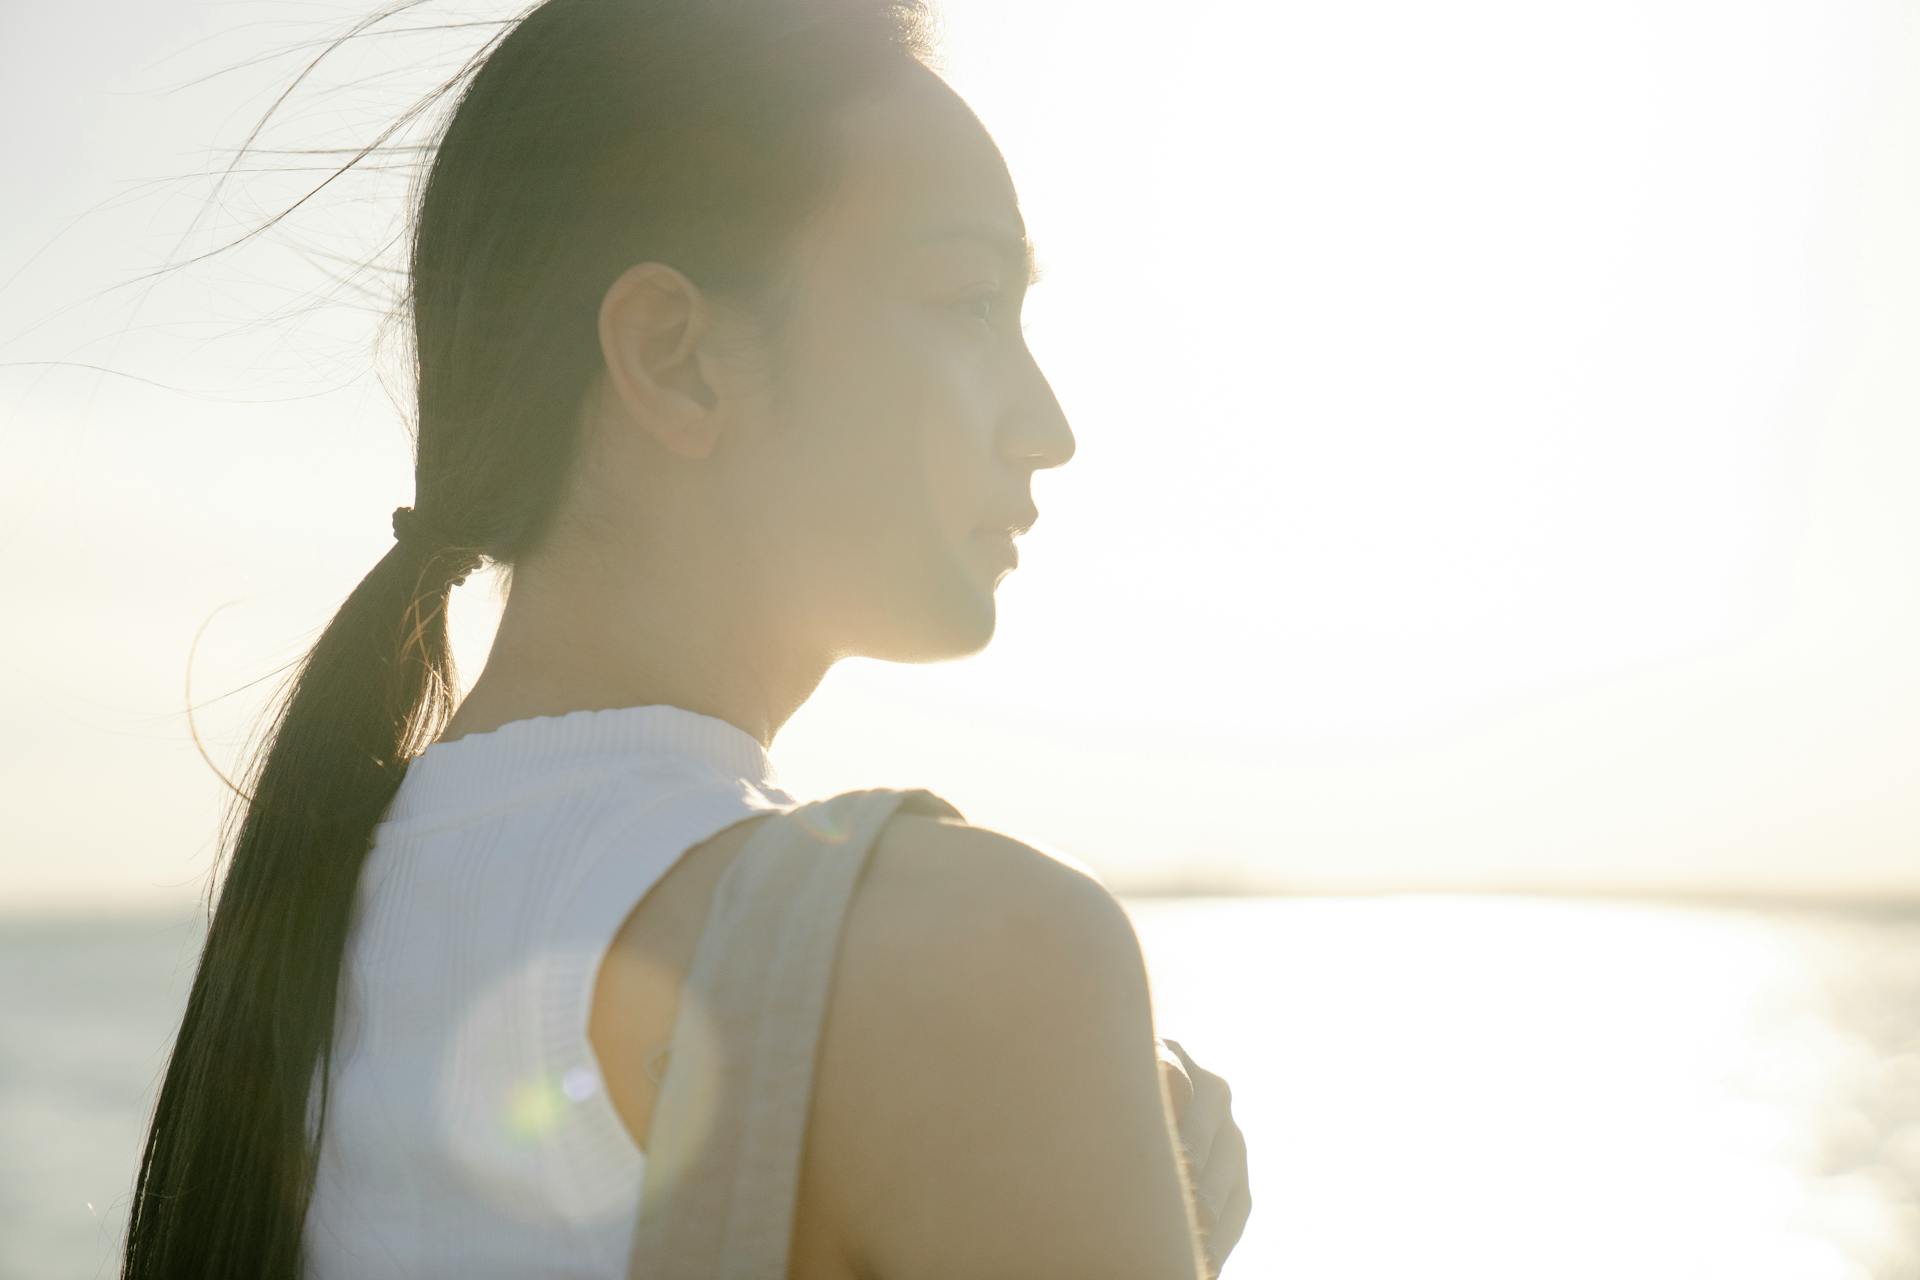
point(1496, 436)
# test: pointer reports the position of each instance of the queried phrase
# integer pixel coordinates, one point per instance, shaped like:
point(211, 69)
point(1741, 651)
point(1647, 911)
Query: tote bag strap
point(724, 1145)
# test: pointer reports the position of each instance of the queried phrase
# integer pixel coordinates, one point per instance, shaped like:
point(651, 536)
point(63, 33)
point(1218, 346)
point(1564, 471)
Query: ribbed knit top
point(468, 1131)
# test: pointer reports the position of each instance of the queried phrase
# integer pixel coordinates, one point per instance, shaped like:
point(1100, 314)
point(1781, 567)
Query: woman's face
point(885, 468)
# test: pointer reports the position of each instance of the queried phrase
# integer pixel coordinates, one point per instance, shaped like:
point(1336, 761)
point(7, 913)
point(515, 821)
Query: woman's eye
point(976, 301)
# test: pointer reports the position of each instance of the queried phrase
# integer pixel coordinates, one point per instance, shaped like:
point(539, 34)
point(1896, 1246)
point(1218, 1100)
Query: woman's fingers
point(1216, 1153)
point(1205, 1111)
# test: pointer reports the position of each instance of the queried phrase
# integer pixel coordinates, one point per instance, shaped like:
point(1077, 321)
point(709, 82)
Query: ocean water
point(1484, 1087)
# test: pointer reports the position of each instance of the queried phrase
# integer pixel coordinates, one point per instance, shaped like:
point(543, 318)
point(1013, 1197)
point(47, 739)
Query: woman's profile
point(716, 318)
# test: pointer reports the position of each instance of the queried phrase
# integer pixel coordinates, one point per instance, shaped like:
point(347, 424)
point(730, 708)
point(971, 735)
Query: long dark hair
point(588, 135)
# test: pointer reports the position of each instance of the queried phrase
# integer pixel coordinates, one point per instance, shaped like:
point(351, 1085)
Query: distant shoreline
point(67, 914)
point(1902, 902)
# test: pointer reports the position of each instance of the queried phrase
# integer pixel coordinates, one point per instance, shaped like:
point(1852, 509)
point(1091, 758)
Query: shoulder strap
point(725, 1141)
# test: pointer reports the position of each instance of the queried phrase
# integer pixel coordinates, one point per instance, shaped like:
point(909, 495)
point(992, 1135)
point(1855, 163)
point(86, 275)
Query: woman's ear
point(653, 322)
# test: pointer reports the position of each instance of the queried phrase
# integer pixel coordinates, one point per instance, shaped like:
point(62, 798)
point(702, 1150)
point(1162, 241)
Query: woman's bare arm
point(987, 1100)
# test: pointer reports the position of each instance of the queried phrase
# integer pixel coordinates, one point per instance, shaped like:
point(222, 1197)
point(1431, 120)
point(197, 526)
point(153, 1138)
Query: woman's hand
point(1215, 1150)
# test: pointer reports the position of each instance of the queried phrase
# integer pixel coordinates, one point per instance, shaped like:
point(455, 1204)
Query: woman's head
point(730, 369)
point(672, 321)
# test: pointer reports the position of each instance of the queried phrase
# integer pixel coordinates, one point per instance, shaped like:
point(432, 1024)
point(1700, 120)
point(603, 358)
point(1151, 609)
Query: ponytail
point(228, 1165)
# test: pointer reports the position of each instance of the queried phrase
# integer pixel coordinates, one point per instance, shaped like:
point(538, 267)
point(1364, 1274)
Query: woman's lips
point(999, 542)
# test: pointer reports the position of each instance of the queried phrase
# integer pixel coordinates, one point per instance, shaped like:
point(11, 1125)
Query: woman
point(716, 309)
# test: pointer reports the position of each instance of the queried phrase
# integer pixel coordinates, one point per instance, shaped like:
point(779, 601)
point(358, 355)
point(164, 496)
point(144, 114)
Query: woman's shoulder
point(926, 860)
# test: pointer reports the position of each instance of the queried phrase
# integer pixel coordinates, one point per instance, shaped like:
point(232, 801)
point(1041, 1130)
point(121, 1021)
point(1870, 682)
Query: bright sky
point(1496, 431)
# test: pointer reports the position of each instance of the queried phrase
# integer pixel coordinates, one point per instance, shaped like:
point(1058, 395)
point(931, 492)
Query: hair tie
point(413, 531)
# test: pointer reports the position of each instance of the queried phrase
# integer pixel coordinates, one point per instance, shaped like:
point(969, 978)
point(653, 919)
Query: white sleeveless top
point(468, 1131)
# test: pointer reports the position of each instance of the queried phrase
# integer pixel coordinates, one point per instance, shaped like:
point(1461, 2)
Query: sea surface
point(1430, 1086)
